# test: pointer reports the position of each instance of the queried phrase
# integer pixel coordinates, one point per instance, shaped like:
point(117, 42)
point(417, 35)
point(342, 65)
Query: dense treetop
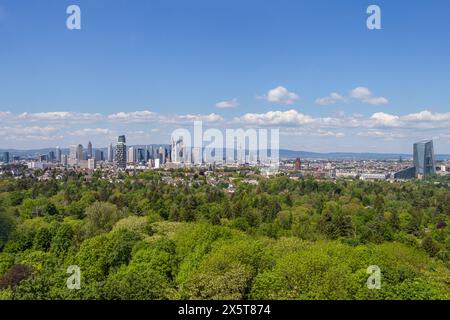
point(142, 236)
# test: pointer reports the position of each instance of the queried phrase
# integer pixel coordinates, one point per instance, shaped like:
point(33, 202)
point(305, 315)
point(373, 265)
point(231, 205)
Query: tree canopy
point(142, 237)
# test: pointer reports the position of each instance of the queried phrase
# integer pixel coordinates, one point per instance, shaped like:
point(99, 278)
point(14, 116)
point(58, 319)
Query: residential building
point(121, 152)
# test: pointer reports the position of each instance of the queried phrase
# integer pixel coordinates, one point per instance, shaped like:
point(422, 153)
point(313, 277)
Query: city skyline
point(176, 151)
point(313, 70)
point(180, 154)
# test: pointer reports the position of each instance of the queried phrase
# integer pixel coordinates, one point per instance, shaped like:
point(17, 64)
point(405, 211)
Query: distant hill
point(352, 155)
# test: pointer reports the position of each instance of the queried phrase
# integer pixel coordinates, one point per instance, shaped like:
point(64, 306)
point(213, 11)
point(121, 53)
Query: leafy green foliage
point(142, 238)
point(6, 227)
point(101, 217)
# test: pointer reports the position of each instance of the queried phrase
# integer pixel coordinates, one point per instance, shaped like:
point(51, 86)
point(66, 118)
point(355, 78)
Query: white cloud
point(361, 93)
point(91, 132)
point(376, 101)
point(421, 120)
point(136, 116)
point(228, 104)
point(387, 135)
point(281, 95)
point(385, 119)
point(324, 133)
point(149, 116)
point(379, 125)
point(333, 98)
point(427, 116)
point(29, 133)
point(60, 116)
point(5, 115)
point(365, 95)
point(292, 117)
point(302, 131)
point(189, 118)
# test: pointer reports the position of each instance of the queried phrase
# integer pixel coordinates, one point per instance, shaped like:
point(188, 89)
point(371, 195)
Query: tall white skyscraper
point(131, 155)
point(157, 165)
point(92, 164)
point(110, 153)
point(162, 155)
point(73, 155)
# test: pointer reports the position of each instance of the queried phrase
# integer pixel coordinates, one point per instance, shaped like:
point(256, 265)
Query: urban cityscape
point(422, 164)
point(224, 159)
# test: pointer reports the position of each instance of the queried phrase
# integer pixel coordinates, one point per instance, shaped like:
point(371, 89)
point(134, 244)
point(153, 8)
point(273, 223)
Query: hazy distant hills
point(352, 155)
point(284, 153)
point(345, 155)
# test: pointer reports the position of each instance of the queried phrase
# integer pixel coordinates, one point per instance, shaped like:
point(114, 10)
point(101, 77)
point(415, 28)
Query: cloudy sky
point(143, 68)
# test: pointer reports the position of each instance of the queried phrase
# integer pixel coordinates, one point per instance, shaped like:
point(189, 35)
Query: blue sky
point(311, 68)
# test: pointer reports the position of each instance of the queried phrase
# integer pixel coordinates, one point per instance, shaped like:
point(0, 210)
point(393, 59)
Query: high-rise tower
point(58, 155)
point(424, 162)
point(6, 157)
point(121, 152)
point(89, 151)
point(110, 153)
point(131, 156)
point(80, 152)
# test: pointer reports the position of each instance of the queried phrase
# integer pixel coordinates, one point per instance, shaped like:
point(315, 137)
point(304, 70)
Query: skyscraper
point(92, 164)
point(110, 153)
point(73, 155)
point(178, 151)
point(148, 153)
point(131, 156)
point(121, 152)
point(162, 155)
point(197, 156)
point(6, 157)
point(98, 155)
point(89, 150)
point(64, 160)
point(80, 152)
point(51, 156)
point(58, 154)
point(141, 155)
point(424, 162)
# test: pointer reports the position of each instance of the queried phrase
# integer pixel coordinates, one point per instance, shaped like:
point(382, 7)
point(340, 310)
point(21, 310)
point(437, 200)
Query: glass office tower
point(6, 157)
point(424, 162)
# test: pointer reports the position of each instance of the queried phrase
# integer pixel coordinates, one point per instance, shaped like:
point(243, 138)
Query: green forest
point(137, 236)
